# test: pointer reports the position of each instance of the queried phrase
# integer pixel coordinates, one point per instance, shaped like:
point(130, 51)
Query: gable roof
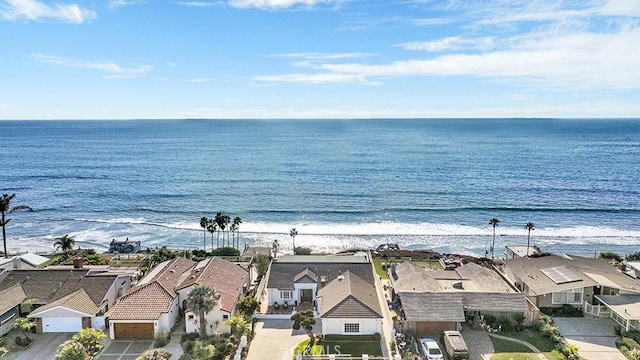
point(168, 274)
point(305, 276)
point(514, 302)
point(11, 297)
point(145, 303)
point(225, 277)
point(78, 301)
point(348, 296)
point(45, 286)
point(432, 306)
point(154, 294)
point(586, 271)
point(282, 275)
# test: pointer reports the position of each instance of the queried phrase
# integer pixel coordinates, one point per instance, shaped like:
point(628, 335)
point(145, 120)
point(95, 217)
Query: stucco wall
point(336, 326)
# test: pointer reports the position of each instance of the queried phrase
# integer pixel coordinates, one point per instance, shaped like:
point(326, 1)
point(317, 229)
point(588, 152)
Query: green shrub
point(376, 336)
point(631, 343)
point(162, 339)
point(633, 334)
point(299, 250)
point(505, 324)
point(225, 251)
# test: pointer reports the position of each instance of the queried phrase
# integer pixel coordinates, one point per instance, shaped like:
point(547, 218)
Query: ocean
point(423, 184)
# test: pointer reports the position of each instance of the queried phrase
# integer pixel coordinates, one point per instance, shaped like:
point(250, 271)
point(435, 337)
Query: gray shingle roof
point(49, 285)
point(282, 275)
point(432, 306)
point(590, 271)
point(11, 297)
point(305, 276)
point(78, 301)
point(349, 296)
point(514, 302)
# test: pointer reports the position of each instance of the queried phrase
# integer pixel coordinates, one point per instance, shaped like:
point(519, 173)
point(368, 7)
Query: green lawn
point(377, 264)
point(315, 350)
point(355, 345)
point(507, 350)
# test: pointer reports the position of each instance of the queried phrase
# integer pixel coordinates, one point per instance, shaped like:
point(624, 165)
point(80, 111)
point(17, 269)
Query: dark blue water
point(342, 184)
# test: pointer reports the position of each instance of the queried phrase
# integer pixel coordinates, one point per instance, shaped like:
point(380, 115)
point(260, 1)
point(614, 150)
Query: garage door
point(61, 324)
point(433, 328)
point(133, 330)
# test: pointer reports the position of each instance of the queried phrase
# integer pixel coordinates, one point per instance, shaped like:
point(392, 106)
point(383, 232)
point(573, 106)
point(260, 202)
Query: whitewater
point(342, 184)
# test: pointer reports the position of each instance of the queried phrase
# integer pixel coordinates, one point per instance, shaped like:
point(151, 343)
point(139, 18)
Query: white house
point(295, 280)
point(349, 305)
point(68, 314)
point(228, 280)
point(65, 300)
point(26, 261)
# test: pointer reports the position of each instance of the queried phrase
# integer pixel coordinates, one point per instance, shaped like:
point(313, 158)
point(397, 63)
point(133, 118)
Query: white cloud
point(120, 3)
point(112, 70)
point(450, 43)
point(278, 4)
point(200, 3)
point(33, 10)
point(570, 61)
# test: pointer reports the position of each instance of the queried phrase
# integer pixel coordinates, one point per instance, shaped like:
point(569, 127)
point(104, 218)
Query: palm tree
point(219, 220)
point(203, 224)
point(293, 232)
point(226, 219)
point(5, 208)
point(237, 221)
point(211, 227)
point(65, 243)
point(529, 226)
point(202, 300)
point(493, 222)
point(233, 229)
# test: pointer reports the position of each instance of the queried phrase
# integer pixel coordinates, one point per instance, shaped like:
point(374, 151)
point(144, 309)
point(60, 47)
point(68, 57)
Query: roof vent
point(323, 279)
point(457, 285)
point(340, 277)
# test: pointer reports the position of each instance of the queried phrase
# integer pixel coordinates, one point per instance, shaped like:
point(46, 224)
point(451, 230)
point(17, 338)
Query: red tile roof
point(225, 277)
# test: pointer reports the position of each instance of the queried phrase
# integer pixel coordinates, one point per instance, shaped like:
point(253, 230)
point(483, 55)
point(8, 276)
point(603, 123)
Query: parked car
point(430, 349)
point(455, 346)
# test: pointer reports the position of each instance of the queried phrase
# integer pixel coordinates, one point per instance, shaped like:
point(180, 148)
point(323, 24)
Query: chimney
point(17, 263)
point(78, 263)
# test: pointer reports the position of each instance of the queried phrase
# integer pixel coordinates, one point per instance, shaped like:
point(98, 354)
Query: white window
point(567, 297)
point(286, 295)
point(351, 328)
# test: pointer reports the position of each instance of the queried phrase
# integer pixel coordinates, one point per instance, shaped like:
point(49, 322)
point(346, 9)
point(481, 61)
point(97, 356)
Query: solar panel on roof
point(560, 274)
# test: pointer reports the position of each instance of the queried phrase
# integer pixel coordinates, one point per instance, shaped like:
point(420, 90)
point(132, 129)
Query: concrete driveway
point(44, 346)
point(594, 337)
point(276, 340)
point(124, 349)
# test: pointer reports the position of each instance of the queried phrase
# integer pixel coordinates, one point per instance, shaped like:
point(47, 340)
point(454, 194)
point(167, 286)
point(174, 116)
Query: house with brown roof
point(152, 305)
point(593, 285)
point(229, 280)
point(349, 305)
point(431, 301)
point(10, 300)
point(66, 300)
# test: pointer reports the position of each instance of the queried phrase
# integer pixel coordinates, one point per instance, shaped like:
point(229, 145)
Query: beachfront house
point(294, 280)
point(26, 261)
point(229, 280)
point(431, 301)
point(65, 300)
point(593, 285)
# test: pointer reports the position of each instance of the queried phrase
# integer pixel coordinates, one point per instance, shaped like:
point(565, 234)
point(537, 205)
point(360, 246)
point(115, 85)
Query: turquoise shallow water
point(342, 184)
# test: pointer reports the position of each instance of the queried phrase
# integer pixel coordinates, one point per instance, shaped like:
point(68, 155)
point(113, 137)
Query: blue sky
point(133, 59)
